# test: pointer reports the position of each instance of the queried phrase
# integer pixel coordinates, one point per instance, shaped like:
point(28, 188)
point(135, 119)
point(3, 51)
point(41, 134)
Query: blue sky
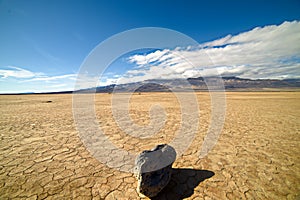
point(43, 43)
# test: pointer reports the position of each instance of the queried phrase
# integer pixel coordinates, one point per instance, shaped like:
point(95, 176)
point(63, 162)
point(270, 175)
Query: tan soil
point(257, 155)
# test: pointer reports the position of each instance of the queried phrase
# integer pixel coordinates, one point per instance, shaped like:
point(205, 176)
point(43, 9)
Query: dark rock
point(49, 101)
point(153, 169)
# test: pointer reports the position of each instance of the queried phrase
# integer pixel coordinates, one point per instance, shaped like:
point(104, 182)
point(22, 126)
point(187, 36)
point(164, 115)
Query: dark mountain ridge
point(199, 84)
point(231, 83)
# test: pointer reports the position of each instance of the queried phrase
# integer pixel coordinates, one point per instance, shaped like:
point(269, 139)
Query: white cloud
point(107, 81)
point(148, 58)
point(264, 52)
point(29, 76)
point(16, 79)
point(17, 72)
point(53, 78)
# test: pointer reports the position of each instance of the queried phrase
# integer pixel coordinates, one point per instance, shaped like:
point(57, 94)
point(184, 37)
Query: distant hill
point(194, 84)
point(199, 84)
point(240, 83)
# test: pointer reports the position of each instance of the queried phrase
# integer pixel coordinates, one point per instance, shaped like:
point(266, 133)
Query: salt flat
point(256, 157)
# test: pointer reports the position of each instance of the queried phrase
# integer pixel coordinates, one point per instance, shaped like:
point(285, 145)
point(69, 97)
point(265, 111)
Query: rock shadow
point(183, 183)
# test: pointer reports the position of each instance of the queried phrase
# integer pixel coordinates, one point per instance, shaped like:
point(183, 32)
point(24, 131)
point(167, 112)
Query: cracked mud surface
point(256, 157)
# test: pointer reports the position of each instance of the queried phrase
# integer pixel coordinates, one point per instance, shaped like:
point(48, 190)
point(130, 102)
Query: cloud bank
point(18, 80)
point(17, 72)
point(264, 52)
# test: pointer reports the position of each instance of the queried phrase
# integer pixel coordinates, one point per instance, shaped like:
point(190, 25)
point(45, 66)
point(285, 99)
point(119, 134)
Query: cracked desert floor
point(257, 155)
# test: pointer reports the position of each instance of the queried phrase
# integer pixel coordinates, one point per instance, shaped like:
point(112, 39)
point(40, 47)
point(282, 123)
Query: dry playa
point(256, 157)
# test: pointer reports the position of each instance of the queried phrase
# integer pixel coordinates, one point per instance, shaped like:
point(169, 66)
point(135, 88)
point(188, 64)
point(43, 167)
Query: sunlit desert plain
point(256, 157)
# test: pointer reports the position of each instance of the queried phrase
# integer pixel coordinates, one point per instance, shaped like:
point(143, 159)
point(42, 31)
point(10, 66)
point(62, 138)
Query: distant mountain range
point(199, 84)
point(195, 84)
